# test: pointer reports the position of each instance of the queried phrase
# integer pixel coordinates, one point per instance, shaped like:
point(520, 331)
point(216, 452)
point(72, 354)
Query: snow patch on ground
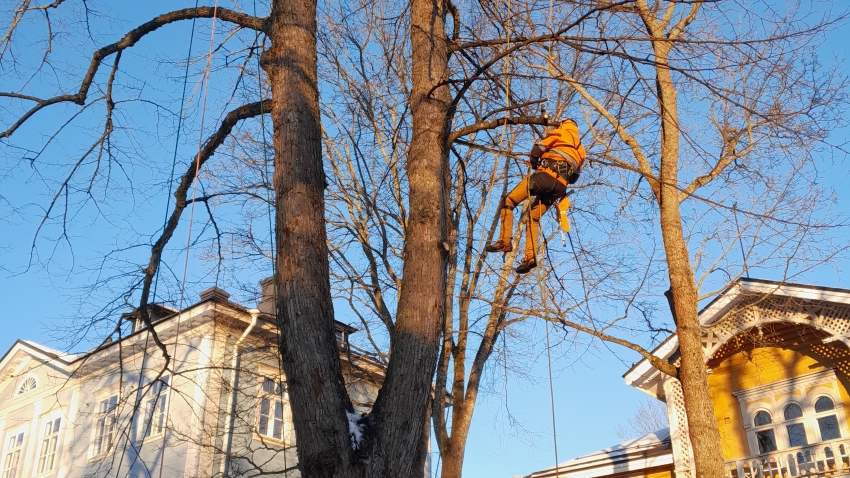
point(355, 429)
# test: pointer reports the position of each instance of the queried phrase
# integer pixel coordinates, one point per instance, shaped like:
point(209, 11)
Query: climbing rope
point(206, 76)
point(541, 282)
point(546, 323)
point(273, 242)
point(552, 397)
point(164, 222)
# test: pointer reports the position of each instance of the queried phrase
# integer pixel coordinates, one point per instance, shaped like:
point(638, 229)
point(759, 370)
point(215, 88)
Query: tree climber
point(556, 160)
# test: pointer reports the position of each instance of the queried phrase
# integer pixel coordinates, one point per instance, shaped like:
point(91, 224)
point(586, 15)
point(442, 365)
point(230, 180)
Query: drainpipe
point(235, 364)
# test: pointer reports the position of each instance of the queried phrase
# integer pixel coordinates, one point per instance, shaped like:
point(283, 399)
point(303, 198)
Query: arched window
point(29, 384)
point(764, 431)
point(796, 414)
point(794, 425)
point(827, 420)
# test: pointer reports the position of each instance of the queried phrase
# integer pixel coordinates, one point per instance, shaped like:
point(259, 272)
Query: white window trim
point(810, 386)
point(286, 432)
point(40, 441)
point(804, 420)
point(147, 412)
point(28, 377)
point(771, 426)
point(22, 457)
point(113, 391)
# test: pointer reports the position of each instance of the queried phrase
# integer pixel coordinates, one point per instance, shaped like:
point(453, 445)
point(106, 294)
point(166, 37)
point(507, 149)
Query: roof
point(641, 371)
point(649, 451)
point(213, 296)
point(52, 352)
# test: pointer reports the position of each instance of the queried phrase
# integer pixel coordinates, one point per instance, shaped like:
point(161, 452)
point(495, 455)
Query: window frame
point(280, 395)
point(157, 397)
point(19, 392)
point(54, 436)
point(816, 416)
point(775, 397)
point(771, 426)
point(18, 467)
point(801, 420)
point(97, 415)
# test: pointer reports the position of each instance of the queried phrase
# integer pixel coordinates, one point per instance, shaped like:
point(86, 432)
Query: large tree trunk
point(304, 308)
point(401, 408)
point(452, 466)
point(395, 440)
point(702, 425)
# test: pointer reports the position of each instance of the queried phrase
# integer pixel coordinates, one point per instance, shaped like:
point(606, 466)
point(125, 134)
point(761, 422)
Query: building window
point(156, 407)
point(14, 446)
point(271, 416)
point(794, 426)
point(49, 441)
point(105, 425)
point(29, 384)
point(764, 432)
point(797, 412)
point(827, 420)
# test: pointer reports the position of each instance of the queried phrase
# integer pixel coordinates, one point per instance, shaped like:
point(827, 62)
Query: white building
point(218, 409)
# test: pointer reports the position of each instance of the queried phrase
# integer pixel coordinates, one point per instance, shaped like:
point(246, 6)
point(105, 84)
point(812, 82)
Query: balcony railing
point(825, 459)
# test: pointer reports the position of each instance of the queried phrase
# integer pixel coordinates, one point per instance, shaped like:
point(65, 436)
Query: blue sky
point(512, 431)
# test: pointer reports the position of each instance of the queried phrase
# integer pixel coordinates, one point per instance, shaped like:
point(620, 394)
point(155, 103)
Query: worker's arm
point(534, 156)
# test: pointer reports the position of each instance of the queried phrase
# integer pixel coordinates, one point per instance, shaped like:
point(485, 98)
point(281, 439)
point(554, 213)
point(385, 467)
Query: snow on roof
point(648, 451)
point(51, 351)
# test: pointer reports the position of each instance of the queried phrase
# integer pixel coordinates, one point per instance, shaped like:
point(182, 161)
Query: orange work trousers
point(546, 190)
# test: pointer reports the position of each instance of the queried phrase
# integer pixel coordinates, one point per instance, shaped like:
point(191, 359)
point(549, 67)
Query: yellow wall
point(760, 366)
point(656, 472)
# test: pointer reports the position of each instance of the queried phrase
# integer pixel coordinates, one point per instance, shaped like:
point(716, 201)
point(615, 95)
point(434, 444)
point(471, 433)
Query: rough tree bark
point(304, 308)
point(395, 430)
point(401, 408)
point(702, 425)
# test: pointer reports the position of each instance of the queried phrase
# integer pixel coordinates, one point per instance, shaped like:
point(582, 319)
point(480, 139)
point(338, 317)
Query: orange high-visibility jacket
point(564, 144)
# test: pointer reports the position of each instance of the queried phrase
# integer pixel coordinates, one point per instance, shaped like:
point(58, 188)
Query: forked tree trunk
point(304, 308)
point(402, 406)
point(702, 424)
point(395, 439)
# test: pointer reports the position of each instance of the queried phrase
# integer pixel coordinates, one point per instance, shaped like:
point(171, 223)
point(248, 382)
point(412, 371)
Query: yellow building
point(778, 357)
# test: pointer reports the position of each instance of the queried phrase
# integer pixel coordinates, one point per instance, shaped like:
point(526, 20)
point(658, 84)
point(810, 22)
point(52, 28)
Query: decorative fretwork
point(833, 320)
point(680, 440)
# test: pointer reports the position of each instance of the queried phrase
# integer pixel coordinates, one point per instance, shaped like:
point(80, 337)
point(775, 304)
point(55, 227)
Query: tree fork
point(404, 401)
point(395, 440)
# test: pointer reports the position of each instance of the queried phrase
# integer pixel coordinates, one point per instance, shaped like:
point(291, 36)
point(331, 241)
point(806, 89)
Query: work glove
point(534, 162)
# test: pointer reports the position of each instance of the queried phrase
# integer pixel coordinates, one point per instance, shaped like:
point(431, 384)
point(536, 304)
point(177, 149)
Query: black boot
point(499, 246)
point(526, 265)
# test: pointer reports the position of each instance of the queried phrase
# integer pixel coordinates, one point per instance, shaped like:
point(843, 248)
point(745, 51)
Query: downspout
point(235, 364)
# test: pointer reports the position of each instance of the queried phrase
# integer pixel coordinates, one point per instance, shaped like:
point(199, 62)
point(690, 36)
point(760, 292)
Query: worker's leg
point(506, 217)
point(506, 214)
point(538, 208)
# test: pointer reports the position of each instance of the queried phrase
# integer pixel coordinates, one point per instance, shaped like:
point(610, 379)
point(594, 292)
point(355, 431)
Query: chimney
point(215, 294)
point(266, 304)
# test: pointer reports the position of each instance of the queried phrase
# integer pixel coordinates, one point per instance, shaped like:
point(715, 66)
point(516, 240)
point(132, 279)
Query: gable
point(749, 305)
point(24, 361)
